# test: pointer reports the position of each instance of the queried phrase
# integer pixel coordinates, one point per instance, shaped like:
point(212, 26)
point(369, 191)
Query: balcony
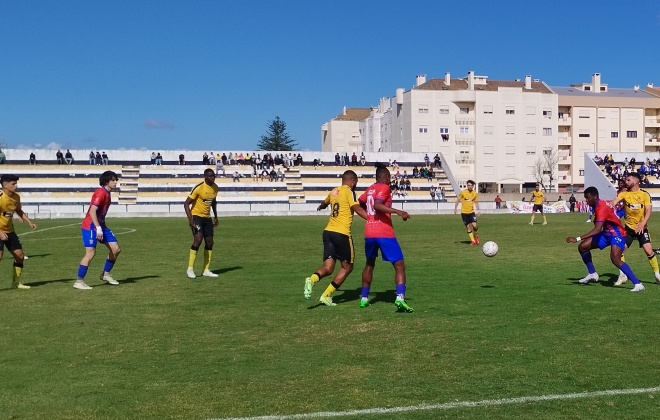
point(565, 120)
point(652, 121)
point(464, 139)
point(465, 119)
point(564, 177)
point(564, 139)
point(464, 158)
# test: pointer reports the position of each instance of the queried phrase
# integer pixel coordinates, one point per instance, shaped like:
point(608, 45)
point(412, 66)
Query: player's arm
point(598, 227)
point(214, 207)
point(359, 210)
point(324, 204)
point(647, 215)
point(617, 200)
point(93, 209)
point(458, 200)
point(381, 207)
point(186, 206)
point(476, 206)
point(24, 218)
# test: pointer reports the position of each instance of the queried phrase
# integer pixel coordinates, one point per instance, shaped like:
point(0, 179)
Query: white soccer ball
point(490, 249)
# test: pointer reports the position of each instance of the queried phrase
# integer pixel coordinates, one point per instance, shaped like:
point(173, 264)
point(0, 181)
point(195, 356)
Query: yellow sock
point(191, 258)
point(329, 290)
point(207, 258)
point(471, 236)
point(653, 261)
point(623, 258)
point(544, 219)
point(532, 221)
point(19, 270)
point(315, 278)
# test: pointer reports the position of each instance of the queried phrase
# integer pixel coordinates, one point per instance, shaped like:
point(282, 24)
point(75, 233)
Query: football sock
point(544, 219)
point(653, 261)
point(628, 272)
point(329, 290)
point(18, 269)
point(315, 278)
point(82, 271)
point(108, 265)
point(471, 236)
point(191, 258)
point(532, 221)
point(586, 258)
point(365, 292)
point(207, 258)
point(400, 291)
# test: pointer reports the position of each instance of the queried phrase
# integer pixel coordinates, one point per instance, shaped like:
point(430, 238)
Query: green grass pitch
point(248, 344)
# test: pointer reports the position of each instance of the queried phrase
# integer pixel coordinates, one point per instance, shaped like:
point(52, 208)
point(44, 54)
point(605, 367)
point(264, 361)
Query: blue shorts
point(389, 247)
point(620, 212)
point(603, 241)
point(89, 236)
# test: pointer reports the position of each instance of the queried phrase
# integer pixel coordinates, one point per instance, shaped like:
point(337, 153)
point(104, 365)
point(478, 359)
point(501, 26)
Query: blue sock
point(586, 258)
point(400, 291)
point(108, 265)
point(82, 271)
point(365, 292)
point(628, 272)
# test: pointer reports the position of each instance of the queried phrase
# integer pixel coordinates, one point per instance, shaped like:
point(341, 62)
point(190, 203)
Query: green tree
point(277, 138)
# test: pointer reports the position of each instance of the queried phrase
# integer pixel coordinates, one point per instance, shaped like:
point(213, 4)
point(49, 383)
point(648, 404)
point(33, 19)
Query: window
point(631, 134)
point(464, 130)
point(581, 172)
point(444, 130)
point(614, 134)
point(584, 133)
point(530, 130)
point(547, 152)
point(547, 113)
point(510, 110)
point(530, 110)
point(488, 129)
point(488, 109)
point(423, 109)
point(423, 129)
point(587, 88)
point(488, 150)
point(547, 131)
point(531, 150)
point(510, 150)
point(510, 130)
point(464, 110)
point(444, 110)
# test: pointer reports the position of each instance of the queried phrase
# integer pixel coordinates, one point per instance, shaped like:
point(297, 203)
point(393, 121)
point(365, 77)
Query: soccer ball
point(490, 249)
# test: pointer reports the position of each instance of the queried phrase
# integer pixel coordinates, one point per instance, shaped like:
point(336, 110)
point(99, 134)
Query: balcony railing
point(652, 121)
point(464, 158)
point(464, 139)
point(564, 139)
point(565, 120)
point(465, 119)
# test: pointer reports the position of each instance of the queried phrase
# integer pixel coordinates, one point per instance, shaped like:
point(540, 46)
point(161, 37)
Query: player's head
point(470, 185)
point(209, 176)
point(382, 174)
point(591, 195)
point(107, 177)
point(8, 181)
point(349, 178)
point(622, 182)
point(538, 186)
point(633, 179)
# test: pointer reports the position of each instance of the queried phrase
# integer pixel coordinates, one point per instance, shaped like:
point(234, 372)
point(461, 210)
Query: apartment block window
point(547, 131)
point(423, 129)
point(547, 152)
point(530, 110)
point(464, 130)
point(531, 150)
point(510, 110)
point(444, 130)
point(423, 109)
point(444, 110)
point(631, 134)
point(587, 88)
point(584, 133)
point(547, 113)
point(581, 172)
point(488, 109)
point(510, 150)
point(614, 134)
point(584, 114)
point(530, 130)
point(510, 130)
point(488, 129)
point(488, 150)
point(464, 110)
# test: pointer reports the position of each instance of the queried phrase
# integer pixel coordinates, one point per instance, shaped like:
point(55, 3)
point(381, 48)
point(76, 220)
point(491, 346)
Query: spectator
point(247, 160)
point(68, 157)
point(159, 159)
point(430, 175)
point(363, 160)
point(265, 174)
point(299, 160)
point(354, 159)
point(239, 158)
point(498, 202)
point(337, 159)
point(182, 159)
point(98, 158)
point(205, 159)
point(223, 158)
point(60, 157)
point(280, 174)
point(236, 176)
point(436, 161)
point(104, 158)
point(432, 191)
point(212, 159)
point(415, 172)
point(347, 159)
point(442, 193)
point(230, 159)
point(426, 160)
point(33, 159)
point(273, 175)
point(219, 166)
point(395, 164)
point(92, 158)
point(3, 158)
point(153, 158)
point(571, 203)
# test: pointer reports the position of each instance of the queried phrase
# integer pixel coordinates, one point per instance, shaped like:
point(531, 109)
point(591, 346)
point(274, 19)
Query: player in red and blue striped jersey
point(607, 231)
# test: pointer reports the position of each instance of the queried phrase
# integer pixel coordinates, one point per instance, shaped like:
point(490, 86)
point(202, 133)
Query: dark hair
point(209, 170)
point(591, 191)
point(106, 177)
point(381, 172)
point(469, 181)
point(348, 175)
point(635, 175)
point(8, 178)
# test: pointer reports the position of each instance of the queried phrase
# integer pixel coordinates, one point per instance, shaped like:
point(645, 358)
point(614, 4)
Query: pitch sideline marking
point(128, 230)
point(43, 230)
point(448, 406)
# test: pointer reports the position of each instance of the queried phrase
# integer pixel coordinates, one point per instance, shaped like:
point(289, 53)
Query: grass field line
point(127, 230)
point(450, 405)
point(50, 228)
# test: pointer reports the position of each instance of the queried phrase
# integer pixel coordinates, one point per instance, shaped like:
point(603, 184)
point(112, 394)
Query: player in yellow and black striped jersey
point(10, 204)
point(469, 203)
point(198, 206)
point(637, 206)
point(337, 240)
point(538, 198)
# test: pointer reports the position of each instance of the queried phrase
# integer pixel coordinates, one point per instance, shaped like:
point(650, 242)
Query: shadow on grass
point(227, 270)
point(41, 283)
point(36, 256)
point(606, 280)
point(134, 279)
point(353, 295)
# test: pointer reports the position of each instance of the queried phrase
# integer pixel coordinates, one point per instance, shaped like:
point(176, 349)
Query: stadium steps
point(128, 191)
point(294, 186)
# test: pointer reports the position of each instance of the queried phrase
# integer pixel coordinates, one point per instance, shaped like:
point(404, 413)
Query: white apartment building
point(595, 118)
point(342, 133)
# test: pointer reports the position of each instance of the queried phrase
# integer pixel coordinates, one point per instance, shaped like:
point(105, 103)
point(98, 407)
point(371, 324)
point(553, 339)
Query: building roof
point(611, 92)
point(354, 114)
point(653, 91)
point(491, 85)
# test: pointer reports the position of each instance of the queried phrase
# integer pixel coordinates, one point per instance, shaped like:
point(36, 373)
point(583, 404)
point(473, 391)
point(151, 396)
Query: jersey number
point(335, 210)
point(370, 206)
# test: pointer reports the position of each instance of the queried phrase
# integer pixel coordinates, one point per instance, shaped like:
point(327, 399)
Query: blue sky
point(210, 75)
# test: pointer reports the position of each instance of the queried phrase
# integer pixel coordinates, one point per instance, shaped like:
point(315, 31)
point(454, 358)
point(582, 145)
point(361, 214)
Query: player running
point(607, 231)
point(337, 240)
point(469, 203)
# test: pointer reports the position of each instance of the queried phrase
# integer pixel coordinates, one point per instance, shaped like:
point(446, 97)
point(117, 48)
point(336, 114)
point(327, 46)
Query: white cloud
point(158, 124)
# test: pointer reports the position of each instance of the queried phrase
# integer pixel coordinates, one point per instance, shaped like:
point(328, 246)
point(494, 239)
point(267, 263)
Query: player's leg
point(475, 229)
point(367, 277)
point(208, 253)
point(80, 284)
point(645, 243)
point(326, 269)
point(113, 253)
point(337, 281)
point(392, 252)
point(467, 221)
point(18, 255)
point(344, 253)
point(197, 241)
point(545, 221)
point(630, 238)
point(584, 248)
point(616, 251)
point(531, 222)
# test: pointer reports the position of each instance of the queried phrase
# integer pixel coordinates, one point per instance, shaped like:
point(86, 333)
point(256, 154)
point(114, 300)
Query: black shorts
point(338, 246)
point(469, 218)
point(537, 207)
point(643, 238)
point(12, 242)
point(204, 225)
